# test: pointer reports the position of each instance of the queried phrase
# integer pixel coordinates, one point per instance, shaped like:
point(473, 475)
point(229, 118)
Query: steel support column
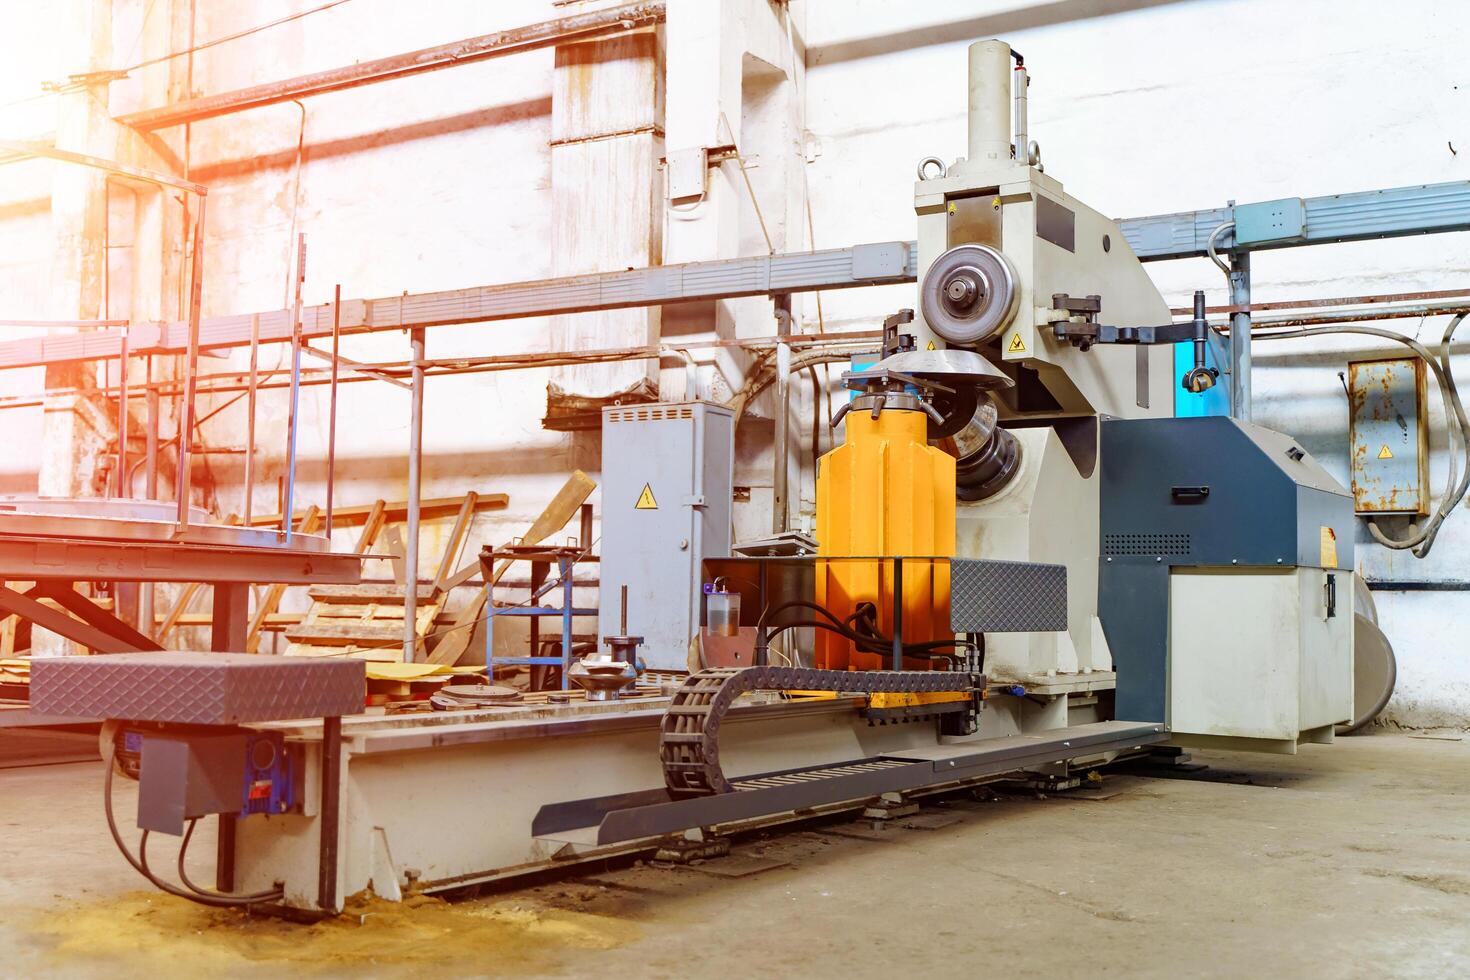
point(1240, 337)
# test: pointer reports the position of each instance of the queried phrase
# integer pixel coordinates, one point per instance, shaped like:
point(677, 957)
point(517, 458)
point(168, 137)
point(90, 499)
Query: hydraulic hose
point(861, 630)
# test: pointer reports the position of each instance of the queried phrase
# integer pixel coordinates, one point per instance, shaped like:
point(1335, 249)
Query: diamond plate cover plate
point(197, 688)
point(1007, 596)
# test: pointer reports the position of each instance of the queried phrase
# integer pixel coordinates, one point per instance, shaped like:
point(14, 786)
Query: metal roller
point(969, 294)
point(989, 456)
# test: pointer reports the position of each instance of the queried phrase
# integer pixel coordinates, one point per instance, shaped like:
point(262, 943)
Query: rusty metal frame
point(577, 27)
point(196, 287)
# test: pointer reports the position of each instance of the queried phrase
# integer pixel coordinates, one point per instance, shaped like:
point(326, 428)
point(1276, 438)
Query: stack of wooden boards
point(396, 683)
point(15, 679)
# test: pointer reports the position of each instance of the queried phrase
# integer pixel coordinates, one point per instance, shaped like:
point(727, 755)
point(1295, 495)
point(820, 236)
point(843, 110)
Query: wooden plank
point(456, 539)
point(344, 634)
point(181, 605)
point(372, 524)
point(274, 620)
point(434, 508)
point(372, 592)
point(273, 595)
point(562, 508)
point(393, 545)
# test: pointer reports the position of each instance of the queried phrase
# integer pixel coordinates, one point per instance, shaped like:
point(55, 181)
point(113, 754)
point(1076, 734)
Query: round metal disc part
point(969, 294)
point(1375, 672)
point(1363, 599)
point(965, 373)
point(473, 696)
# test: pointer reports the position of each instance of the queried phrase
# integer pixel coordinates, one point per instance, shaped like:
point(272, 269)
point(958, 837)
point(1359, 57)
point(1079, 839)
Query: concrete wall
point(445, 180)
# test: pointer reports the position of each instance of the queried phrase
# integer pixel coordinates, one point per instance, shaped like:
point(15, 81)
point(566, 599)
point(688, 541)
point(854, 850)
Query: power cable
point(1422, 540)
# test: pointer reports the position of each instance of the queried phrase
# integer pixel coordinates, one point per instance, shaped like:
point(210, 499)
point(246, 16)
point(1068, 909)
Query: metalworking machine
point(1022, 564)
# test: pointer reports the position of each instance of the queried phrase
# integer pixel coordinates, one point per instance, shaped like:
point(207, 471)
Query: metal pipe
point(153, 177)
point(150, 485)
point(332, 403)
point(1240, 337)
point(191, 368)
point(1022, 78)
point(1302, 304)
point(990, 102)
point(436, 369)
point(293, 410)
point(530, 37)
point(253, 389)
point(122, 420)
point(781, 447)
point(415, 476)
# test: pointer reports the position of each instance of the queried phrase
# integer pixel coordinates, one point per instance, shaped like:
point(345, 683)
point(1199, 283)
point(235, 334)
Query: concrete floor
point(1349, 860)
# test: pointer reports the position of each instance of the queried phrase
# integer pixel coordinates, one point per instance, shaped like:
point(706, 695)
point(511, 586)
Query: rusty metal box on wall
point(1389, 436)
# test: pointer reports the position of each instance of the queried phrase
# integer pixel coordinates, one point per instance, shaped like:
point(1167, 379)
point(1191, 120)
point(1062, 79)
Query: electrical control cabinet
point(666, 489)
point(1389, 434)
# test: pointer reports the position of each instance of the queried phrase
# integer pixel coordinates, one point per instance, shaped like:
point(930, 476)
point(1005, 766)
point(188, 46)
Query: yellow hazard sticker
point(1329, 548)
point(1017, 345)
point(1385, 452)
point(645, 499)
point(931, 346)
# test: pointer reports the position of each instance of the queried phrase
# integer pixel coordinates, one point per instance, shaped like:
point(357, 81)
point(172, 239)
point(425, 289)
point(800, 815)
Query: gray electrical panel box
point(666, 485)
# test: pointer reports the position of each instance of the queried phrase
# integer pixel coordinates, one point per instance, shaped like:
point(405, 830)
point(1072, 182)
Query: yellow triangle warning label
point(645, 499)
point(1017, 345)
point(1385, 452)
point(931, 346)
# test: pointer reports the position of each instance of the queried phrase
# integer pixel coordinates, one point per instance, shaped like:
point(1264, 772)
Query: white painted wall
point(442, 181)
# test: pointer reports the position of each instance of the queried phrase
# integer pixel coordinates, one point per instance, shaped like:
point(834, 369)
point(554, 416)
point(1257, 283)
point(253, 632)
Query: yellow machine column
point(884, 492)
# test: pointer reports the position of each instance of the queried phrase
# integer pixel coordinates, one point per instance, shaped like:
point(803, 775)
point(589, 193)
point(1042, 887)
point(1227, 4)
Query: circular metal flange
point(969, 294)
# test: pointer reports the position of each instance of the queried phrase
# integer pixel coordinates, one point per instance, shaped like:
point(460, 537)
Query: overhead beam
point(1391, 213)
point(122, 170)
point(838, 268)
point(527, 38)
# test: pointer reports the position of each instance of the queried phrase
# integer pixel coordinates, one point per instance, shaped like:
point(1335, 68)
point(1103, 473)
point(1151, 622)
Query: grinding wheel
point(1374, 673)
point(969, 294)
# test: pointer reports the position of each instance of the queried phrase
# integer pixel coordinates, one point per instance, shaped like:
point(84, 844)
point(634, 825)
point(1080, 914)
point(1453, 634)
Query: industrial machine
point(1023, 561)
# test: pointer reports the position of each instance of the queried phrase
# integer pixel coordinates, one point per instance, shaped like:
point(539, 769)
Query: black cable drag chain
point(689, 733)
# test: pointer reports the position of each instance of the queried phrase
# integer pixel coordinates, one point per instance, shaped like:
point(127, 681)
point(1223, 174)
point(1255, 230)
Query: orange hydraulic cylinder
point(884, 492)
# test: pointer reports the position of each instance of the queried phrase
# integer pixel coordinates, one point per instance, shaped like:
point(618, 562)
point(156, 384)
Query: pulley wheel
point(969, 294)
point(1363, 599)
point(1375, 671)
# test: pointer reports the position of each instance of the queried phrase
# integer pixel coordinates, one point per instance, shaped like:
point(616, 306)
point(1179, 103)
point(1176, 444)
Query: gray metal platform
point(653, 813)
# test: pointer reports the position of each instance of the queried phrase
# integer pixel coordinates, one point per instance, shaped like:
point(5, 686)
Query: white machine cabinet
point(1279, 672)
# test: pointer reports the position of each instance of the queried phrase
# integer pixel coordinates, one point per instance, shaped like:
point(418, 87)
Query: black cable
point(877, 645)
point(870, 641)
point(140, 863)
point(265, 896)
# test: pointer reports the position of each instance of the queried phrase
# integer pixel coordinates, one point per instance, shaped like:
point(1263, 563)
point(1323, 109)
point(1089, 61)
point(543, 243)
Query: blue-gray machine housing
point(1200, 492)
